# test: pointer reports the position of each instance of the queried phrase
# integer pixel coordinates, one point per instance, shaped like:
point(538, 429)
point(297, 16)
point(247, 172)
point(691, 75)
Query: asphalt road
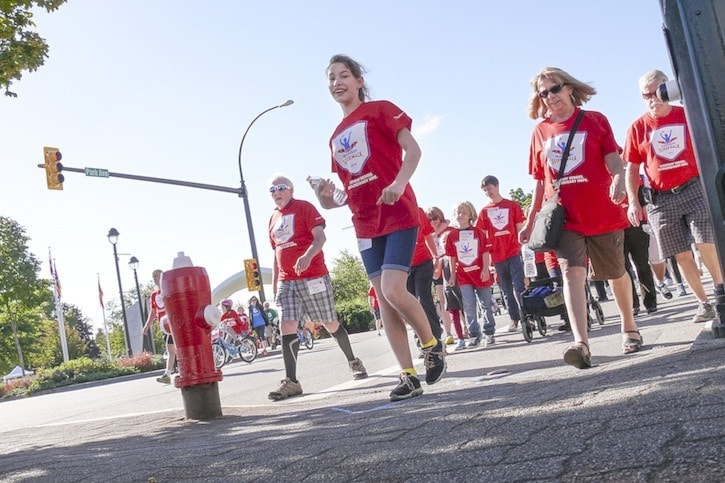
point(511, 412)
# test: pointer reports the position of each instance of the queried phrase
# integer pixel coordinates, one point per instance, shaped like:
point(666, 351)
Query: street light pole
point(244, 195)
point(113, 239)
point(148, 339)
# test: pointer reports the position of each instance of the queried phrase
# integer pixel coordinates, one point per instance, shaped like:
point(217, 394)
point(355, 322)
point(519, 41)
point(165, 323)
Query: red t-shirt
point(290, 233)
point(422, 253)
point(157, 304)
point(239, 324)
point(367, 158)
point(584, 191)
point(499, 220)
point(468, 247)
point(663, 144)
point(373, 295)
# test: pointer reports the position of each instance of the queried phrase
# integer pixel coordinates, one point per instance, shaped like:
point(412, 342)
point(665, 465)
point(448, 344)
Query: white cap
point(182, 261)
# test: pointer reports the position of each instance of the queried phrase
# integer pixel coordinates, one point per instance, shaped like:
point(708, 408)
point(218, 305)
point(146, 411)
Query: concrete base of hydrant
point(202, 401)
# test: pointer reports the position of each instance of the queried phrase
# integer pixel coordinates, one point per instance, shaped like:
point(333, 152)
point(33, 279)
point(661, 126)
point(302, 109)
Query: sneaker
point(287, 388)
point(705, 312)
point(358, 369)
point(461, 344)
point(514, 326)
point(474, 342)
point(435, 363)
point(566, 327)
point(682, 292)
point(578, 355)
point(652, 309)
point(408, 387)
point(662, 288)
point(635, 311)
point(449, 340)
point(490, 340)
point(165, 379)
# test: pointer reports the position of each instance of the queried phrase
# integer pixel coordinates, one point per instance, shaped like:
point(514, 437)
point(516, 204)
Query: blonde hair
point(468, 207)
point(435, 211)
point(581, 92)
point(650, 78)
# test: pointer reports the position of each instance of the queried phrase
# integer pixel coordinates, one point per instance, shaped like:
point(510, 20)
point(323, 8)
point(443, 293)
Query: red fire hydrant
point(187, 297)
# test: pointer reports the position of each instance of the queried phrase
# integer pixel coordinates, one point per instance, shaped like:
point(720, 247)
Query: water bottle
point(338, 196)
point(529, 261)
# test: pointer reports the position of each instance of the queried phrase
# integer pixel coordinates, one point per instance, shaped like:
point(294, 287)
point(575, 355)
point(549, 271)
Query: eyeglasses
point(649, 95)
point(553, 89)
point(278, 187)
point(433, 218)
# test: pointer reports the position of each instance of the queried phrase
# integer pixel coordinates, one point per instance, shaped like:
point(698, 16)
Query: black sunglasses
point(553, 89)
point(433, 218)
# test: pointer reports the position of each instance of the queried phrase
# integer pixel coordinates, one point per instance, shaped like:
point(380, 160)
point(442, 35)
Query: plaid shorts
point(680, 219)
point(295, 301)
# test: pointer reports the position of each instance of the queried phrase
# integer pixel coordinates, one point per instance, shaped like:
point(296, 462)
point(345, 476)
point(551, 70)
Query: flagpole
point(58, 307)
point(105, 325)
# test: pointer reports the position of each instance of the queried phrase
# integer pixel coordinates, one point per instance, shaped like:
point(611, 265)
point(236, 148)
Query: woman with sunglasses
point(374, 154)
point(592, 190)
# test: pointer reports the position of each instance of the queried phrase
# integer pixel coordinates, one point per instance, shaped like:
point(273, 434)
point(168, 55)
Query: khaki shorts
point(606, 253)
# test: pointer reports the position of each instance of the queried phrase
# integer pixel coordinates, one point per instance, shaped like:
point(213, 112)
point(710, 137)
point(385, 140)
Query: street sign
point(96, 172)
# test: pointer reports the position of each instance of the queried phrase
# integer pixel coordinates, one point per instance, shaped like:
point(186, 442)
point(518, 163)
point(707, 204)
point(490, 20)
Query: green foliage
point(21, 48)
point(349, 280)
point(80, 370)
point(355, 315)
point(524, 199)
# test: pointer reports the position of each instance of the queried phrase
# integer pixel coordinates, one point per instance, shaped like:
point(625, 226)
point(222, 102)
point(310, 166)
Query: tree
point(349, 280)
point(21, 48)
point(524, 199)
point(22, 293)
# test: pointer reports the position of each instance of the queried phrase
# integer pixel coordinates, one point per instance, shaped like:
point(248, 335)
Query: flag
point(100, 293)
point(54, 273)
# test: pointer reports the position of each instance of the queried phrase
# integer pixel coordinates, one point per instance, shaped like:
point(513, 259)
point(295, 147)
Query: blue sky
point(167, 88)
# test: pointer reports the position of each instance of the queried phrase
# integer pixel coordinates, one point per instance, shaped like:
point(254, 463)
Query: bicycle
point(225, 345)
point(304, 335)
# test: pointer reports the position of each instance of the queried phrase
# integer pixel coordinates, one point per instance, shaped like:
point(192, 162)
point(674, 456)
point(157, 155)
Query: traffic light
point(53, 168)
point(253, 274)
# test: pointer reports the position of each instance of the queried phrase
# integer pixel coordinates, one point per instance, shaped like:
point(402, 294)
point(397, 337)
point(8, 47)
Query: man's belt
point(680, 188)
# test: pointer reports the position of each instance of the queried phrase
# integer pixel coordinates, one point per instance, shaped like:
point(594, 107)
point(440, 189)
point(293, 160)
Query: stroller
point(545, 298)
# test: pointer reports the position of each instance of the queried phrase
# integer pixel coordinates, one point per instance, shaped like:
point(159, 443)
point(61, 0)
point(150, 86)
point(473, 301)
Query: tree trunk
point(14, 325)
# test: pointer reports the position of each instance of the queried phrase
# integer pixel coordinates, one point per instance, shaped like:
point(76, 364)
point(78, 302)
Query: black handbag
point(549, 221)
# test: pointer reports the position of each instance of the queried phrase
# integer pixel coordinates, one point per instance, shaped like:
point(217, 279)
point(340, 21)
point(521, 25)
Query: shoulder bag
point(549, 221)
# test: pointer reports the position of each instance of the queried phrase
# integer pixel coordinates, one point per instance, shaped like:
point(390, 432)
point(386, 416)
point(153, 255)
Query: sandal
point(629, 345)
point(574, 355)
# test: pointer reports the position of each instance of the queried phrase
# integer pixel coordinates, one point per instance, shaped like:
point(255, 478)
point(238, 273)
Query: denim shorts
point(393, 251)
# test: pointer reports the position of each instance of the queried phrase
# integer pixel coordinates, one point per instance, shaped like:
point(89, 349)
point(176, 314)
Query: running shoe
point(358, 369)
point(434, 360)
point(165, 379)
point(490, 340)
point(664, 291)
point(705, 312)
point(461, 344)
point(514, 326)
point(408, 387)
point(287, 388)
point(449, 340)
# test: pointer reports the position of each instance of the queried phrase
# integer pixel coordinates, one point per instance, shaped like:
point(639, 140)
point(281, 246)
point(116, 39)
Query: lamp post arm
point(244, 136)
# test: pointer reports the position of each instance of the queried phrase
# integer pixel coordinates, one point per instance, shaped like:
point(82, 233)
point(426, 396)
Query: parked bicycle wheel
point(220, 355)
point(247, 349)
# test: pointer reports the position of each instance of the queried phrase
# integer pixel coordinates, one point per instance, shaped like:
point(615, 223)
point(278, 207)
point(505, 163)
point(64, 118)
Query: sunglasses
point(279, 187)
point(648, 95)
point(433, 218)
point(553, 89)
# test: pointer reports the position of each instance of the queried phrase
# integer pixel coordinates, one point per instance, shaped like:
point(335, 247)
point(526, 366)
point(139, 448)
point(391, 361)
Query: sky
point(167, 88)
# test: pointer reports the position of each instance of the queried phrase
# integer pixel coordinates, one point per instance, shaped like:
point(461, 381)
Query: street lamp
point(113, 239)
point(244, 195)
point(133, 263)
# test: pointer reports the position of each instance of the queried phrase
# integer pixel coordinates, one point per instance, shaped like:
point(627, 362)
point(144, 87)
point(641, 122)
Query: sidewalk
point(498, 416)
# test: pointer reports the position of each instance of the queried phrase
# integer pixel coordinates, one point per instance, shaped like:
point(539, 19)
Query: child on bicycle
point(239, 324)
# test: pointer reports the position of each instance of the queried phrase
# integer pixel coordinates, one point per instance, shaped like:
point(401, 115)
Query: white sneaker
point(705, 312)
point(662, 288)
point(490, 340)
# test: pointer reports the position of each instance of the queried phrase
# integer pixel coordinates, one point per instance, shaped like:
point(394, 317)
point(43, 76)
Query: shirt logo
point(350, 148)
point(668, 142)
point(554, 149)
point(283, 228)
point(499, 217)
point(467, 252)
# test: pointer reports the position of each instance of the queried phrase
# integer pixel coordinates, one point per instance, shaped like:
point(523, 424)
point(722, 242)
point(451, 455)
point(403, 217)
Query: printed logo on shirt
point(668, 142)
point(351, 149)
point(554, 149)
point(499, 217)
point(283, 229)
point(467, 252)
